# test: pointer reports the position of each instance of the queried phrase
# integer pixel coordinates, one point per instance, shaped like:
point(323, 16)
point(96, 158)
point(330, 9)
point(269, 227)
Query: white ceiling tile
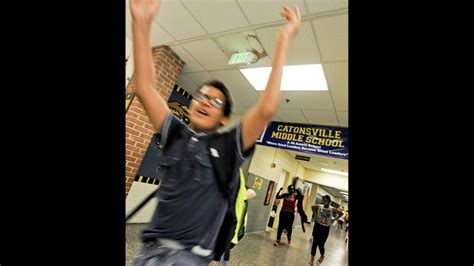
point(217, 16)
point(208, 54)
point(303, 48)
point(241, 42)
point(199, 78)
point(176, 20)
point(253, 9)
point(267, 37)
point(337, 77)
point(316, 100)
point(239, 109)
point(158, 36)
point(276, 118)
point(291, 115)
point(186, 83)
point(316, 6)
point(322, 118)
point(238, 85)
point(191, 64)
point(343, 119)
point(333, 35)
point(264, 62)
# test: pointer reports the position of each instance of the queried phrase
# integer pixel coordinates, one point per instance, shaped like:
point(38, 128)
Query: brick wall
point(139, 130)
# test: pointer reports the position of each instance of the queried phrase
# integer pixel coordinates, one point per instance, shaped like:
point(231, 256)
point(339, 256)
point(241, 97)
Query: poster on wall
point(311, 139)
point(257, 183)
point(178, 103)
point(268, 196)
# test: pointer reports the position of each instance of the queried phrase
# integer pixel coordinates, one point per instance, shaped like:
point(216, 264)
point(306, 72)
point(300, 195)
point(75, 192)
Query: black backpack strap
point(223, 167)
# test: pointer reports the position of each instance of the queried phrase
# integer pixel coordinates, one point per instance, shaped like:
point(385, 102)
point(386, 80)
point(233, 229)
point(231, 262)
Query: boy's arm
point(262, 113)
point(142, 17)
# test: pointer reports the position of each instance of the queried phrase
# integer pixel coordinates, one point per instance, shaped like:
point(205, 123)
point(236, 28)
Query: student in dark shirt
point(185, 225)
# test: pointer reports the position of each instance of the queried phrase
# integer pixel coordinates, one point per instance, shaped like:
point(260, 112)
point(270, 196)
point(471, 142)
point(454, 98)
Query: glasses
point(214, 101)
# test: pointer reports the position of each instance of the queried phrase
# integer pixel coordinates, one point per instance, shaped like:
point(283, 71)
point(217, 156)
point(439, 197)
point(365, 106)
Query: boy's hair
point(327, 197)
point(228, 98)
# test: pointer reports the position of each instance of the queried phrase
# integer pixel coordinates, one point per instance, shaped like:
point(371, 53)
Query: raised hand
point(144, 10)
point(294, 21)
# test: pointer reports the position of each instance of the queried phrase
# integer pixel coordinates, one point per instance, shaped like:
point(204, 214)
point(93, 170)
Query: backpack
point(241, 205)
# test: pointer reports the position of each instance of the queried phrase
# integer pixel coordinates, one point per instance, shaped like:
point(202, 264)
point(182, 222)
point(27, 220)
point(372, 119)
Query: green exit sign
point(242, 58)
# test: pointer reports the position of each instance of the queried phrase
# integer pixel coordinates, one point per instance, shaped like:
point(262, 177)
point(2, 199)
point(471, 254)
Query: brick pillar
point(138, 131)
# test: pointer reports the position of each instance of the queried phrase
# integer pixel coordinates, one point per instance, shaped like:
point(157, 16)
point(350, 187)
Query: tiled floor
point(258, 249)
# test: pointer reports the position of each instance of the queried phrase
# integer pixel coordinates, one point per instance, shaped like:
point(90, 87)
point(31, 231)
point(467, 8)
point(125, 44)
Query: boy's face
point(325, 202)
point(291, 189)
point(207, 109)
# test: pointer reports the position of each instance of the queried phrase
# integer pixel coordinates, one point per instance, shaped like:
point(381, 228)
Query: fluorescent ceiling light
point(342, 192)
point(295, 78)
point(334, 172)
